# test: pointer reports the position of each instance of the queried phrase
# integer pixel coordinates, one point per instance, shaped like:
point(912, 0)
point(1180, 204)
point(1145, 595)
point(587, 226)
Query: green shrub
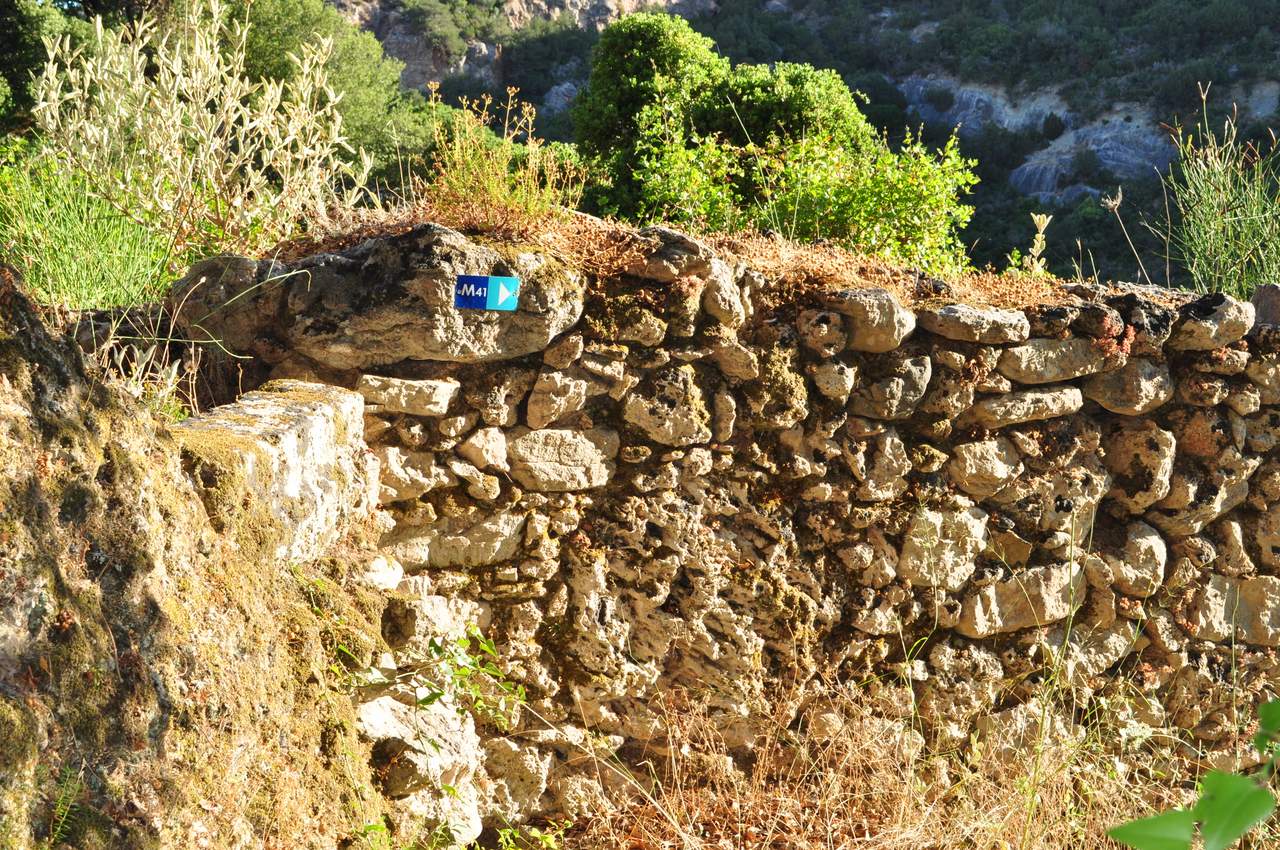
point(26, 24)
point(377, 116)
point(636, 60)
point(679, 134)
point(508, 182)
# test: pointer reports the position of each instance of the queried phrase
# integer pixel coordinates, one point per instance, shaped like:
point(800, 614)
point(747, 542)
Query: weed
point(509, 182)
point(1224, 225)
point(64, 806)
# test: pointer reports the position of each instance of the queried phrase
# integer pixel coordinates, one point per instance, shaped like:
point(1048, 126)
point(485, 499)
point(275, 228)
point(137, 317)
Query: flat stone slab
point(284, 466)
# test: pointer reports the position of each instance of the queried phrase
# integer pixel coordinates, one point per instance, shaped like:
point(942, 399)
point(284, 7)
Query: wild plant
point(492, 174)
point(1223, 222)
point(163, 124)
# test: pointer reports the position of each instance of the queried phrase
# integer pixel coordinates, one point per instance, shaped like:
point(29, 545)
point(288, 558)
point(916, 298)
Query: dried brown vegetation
point(844, 767)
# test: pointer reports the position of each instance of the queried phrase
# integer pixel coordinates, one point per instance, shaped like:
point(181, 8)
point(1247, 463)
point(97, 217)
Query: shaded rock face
point(689, 487)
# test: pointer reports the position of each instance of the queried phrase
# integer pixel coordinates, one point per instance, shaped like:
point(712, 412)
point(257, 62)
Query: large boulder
point(388, 299)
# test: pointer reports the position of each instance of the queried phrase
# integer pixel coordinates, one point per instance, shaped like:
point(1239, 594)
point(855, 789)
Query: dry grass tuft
point(844, 768)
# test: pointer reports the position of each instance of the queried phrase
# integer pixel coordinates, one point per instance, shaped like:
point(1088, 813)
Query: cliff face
point(681, 476)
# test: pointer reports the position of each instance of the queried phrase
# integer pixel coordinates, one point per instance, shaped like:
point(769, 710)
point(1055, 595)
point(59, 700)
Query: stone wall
point(679, 477)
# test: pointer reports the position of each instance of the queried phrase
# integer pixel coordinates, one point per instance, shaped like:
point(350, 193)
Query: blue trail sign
point(486, 292)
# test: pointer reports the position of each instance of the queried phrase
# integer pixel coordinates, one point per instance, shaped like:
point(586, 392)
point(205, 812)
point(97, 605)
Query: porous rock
point(1211, 321)
point(896, 390)
point(983, 468)
point(557, 460)
point(1025, 406)
point(1034, 596)
point(1138, 387)
point(877, 322)
point(941, 545)
point(976, 324)
point(398, 395)
point(671, 409)
point(1047, 361)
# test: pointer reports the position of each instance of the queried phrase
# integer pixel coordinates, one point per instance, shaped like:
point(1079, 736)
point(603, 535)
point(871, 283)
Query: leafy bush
point(1225, 228)
point(26, 24)
point(680, 134)
point(164, 126)
point(449, 24)
point(376, 115)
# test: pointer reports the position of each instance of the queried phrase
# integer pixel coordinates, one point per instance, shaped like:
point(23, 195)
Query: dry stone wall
point(676, 478)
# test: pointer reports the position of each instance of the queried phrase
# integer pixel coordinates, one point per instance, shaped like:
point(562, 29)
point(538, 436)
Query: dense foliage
point(676, 132)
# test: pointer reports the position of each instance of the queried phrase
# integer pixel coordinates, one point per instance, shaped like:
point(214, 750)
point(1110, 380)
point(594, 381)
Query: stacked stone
point(653, 480)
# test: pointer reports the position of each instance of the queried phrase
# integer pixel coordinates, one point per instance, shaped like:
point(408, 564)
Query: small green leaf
point(1268, 725)
point(1230, 805)
point(1169, 831)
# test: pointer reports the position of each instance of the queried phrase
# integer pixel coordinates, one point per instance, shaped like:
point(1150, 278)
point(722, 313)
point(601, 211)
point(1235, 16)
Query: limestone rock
point(1140, 458)
point(1209, 497)
point(391, 299)
point(941, 546)
point(733, 358)
point(1035, 596)
point(408, 474)
point(670, 255)
point(721, 298)
point(564, 352)
point(290, 453)
point(822, 332)
point(1138, 387)
point(1151, 322)
point(419, 749)
point(554, 395)
point(1211, 321)
point(1047, 361)
point(950, 393)
point(1266, 304)
point(1237, 609)
point(1026, 406)
point(672, 410)
point(779, 399)
point(877, 322)
point(486, 448)
point(1138, 568)
point(976, 324)
point(398, 395)
point(517, 775)
point(555, 460)
point(459, 543)
point(882, 475)
point(834, 379)
point(498, 399)
point(983, 468)
point(895, 391)
point(233, 301)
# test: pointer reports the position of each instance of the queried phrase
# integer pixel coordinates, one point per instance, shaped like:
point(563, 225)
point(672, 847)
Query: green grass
point(74, 249)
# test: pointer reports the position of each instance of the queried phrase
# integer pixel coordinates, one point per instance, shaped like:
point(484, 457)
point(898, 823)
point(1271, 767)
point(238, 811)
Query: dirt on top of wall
point(608, 249)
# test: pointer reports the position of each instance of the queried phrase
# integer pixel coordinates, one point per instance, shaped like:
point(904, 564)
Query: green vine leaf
point(1168, 831)
point(1230, 805)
